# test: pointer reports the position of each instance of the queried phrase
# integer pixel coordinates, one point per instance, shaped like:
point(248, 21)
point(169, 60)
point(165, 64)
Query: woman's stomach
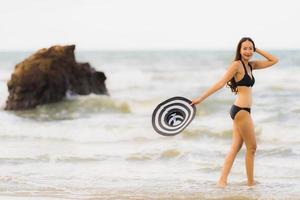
point(244, 97)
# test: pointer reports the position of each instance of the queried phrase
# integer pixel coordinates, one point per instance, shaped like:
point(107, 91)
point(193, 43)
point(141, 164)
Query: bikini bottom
point(235, 109)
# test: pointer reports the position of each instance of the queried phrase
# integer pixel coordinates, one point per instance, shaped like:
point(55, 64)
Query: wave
point(199, 133)
point(280, 152)
point(223, 134)
point(75, 159)
point(75, 107)
point(170, 153)
point(213, 106)
point(33, 138)
point(173, 154)
point(22, 160)
point(296, 110)
point(140, 157)
point(164, 155)
point(208, 167)
point(46, 158)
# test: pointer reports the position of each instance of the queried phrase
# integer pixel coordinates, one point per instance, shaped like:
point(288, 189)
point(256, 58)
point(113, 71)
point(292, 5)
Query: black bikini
point(245, 81)
point(235, 109)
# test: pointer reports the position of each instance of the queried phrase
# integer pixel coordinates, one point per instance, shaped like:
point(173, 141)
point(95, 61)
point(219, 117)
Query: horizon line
point(145, 49)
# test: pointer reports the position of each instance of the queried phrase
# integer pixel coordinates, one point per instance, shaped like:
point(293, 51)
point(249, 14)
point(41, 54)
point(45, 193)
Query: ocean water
point(104, 147)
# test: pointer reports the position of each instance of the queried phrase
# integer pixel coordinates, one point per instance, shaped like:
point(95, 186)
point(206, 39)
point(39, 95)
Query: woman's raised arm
point(261, 64)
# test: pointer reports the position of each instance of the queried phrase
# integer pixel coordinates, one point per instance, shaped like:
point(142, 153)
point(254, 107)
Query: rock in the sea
point(47, 76)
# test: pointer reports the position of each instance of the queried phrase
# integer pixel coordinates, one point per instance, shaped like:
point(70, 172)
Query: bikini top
point(246, 80)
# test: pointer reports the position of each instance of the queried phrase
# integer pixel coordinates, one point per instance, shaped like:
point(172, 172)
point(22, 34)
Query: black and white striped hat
point(173, 115)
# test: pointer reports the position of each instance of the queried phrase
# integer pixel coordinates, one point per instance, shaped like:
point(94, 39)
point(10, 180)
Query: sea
point(104, 147)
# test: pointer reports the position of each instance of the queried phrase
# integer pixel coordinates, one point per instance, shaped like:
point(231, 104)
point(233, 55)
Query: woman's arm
point(219, 84)
point(261, 64)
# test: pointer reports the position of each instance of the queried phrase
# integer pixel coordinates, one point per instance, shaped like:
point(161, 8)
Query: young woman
point(240, 79)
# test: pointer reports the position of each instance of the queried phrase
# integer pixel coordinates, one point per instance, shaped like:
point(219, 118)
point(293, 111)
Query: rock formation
point(47, 76)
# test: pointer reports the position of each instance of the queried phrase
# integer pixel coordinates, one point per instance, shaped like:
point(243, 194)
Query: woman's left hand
point(195, 101)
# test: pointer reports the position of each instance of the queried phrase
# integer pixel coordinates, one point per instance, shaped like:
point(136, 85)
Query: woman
point(240, 79)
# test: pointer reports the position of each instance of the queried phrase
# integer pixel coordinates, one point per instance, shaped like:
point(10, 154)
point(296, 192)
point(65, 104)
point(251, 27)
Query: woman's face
point(247, 50)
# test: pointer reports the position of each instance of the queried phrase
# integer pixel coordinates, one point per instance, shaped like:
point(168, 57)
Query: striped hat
point(173, 115)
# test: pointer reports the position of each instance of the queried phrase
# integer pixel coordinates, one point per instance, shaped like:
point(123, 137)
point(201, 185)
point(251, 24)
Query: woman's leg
point(245, 125)
point(237, 143)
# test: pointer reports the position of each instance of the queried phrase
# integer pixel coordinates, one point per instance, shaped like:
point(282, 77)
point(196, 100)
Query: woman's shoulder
point(236, 63)
point(234, 66)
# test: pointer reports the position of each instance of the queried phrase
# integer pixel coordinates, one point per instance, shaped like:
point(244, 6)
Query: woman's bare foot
point(222, 184)
point(251, 183)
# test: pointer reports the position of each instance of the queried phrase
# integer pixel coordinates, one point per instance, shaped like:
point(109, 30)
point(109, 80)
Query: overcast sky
point(148, 24)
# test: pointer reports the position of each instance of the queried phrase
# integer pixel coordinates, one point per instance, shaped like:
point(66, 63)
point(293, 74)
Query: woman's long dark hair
point(232, 82)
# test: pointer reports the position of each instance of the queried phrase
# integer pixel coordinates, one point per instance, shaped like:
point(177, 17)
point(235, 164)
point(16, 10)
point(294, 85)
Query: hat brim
point(173, 115)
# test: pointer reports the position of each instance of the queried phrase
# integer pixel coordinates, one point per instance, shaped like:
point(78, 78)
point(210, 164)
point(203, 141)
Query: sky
point(148, 24)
